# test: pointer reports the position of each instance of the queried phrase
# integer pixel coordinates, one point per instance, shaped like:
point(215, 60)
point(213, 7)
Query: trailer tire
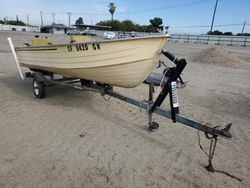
point(38, 89)
point(87, 83)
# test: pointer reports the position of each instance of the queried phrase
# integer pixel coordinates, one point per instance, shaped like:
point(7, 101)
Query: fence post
point(187, 39)
point(218, 41)
point(231, 43)
point(245, 42)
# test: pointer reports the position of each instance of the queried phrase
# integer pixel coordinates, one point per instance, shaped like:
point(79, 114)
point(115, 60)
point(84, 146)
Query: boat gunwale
point(47, 47)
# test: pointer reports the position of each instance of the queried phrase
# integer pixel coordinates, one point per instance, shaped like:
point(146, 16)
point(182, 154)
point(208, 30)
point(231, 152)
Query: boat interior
point(38, 41)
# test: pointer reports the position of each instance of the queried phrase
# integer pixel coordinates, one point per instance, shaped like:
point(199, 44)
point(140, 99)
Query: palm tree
point(112, 8)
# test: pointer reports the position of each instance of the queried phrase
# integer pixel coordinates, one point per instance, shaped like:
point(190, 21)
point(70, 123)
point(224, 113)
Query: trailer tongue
point(170, 87)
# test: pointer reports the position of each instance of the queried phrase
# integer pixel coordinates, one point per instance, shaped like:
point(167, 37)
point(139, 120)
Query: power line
point(136, 11)
point(190, 26)
point(165, 7)
point(144, 10)
point(220, 25)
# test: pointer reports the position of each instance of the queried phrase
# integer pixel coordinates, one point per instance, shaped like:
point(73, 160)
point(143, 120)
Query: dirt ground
point(40, 144)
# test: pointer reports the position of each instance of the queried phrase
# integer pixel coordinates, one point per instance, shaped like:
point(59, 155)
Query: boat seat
point(80, 38)
point(40, 42)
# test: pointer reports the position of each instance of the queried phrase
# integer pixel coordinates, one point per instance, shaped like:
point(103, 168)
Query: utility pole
point(28, 20)
point(211, 29)
point(69, 14)
point(243, 27)
point(17, 18)
point(53, 14)
point(41, 14)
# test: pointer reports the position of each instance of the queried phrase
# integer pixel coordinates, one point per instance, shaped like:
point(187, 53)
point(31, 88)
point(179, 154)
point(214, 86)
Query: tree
point(112, 9)
point(127, 25)
point(79, 21)
point(12, 22)
point(156, 23)
point(217, 32)
point(243, 34)
point(228, 33)
point(115, 24)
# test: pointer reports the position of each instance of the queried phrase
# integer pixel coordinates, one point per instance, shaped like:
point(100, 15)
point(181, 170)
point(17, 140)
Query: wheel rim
point(35, 86)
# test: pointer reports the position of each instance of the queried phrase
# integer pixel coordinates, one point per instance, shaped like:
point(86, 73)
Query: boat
point(119, 62)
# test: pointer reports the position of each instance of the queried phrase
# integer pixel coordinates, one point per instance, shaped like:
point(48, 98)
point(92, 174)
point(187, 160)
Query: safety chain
point(210, 155)
point(213, 142)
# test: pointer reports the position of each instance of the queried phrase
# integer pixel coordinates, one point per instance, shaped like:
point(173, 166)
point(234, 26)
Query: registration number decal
point(83, 47)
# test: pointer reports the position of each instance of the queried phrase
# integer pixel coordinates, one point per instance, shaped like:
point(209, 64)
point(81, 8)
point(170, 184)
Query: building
point(19, 28)
point(55, 28)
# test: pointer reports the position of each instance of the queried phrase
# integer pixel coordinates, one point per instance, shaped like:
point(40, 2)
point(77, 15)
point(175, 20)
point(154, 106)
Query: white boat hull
point(124, 63)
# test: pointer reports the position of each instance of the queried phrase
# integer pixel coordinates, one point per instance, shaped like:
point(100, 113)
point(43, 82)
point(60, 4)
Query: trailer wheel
point(87, 83)
point(38, 89)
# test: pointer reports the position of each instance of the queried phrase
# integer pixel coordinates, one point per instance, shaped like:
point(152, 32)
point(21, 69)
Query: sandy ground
point(40, 144)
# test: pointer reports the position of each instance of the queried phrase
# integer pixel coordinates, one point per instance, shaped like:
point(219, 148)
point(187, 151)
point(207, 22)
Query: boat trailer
point(42, 79)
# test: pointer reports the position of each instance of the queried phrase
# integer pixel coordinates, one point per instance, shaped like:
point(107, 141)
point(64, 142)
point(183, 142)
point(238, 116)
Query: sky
point(179, 15)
